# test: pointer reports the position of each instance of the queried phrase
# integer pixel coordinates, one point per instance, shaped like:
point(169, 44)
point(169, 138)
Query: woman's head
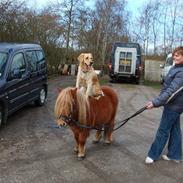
point(178, 55)
point(178, 50)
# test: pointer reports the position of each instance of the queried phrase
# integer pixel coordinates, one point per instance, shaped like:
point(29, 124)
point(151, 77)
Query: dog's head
point(85, 61)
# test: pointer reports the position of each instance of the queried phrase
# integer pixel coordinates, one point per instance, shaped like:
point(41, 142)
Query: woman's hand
point(149, 105)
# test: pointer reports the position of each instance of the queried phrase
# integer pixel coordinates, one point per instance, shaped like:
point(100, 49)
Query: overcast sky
point(133, 5)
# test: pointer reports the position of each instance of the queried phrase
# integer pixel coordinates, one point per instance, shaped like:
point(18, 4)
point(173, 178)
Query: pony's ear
point(81, 57)
point(59, 89)
point(73, 91)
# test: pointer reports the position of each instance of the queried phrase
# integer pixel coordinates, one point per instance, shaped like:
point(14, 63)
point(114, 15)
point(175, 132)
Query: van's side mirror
point(15, 74)
point(161, 66)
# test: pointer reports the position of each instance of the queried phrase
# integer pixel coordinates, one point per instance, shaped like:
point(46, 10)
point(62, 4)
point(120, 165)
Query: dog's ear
point(81, 57)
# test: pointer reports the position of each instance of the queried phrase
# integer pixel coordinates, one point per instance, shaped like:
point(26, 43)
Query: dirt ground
point(34, 150)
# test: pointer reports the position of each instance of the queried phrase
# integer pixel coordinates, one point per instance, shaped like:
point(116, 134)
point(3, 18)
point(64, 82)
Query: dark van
point(23, 77)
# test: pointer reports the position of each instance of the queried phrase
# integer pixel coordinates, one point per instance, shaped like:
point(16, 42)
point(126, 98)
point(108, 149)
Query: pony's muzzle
point(60, 122)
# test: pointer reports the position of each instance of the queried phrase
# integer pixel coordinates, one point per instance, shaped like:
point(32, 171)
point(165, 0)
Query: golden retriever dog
point(87, 79)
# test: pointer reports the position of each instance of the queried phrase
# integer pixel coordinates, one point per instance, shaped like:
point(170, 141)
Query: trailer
point(125, 62)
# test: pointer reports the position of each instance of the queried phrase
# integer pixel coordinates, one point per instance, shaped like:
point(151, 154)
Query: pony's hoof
point(95, 141)
point(81, 158)
point(107, 142)
point(75, 150)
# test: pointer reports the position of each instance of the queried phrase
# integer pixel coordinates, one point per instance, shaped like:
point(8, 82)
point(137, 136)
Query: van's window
point(129, 55)
point(125, 62)
point(32, 60)
point(169, 61)
point(18, 63)
point(3, 59)
point(41, 60)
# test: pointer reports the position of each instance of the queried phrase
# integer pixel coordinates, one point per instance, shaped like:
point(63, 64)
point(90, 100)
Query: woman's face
point(178, 58)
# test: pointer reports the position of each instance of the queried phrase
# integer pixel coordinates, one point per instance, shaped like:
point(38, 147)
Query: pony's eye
point(87, 58)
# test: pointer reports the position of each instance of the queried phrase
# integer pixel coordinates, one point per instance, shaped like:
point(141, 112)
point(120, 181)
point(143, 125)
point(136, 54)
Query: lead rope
point(127, 119)
point(68, 119)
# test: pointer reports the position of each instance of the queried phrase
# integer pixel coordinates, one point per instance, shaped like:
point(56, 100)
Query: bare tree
point(109, 20)
point(144, 22)
point(156, 14)
point(174, 9)
point(69, 10)
point(171, 28)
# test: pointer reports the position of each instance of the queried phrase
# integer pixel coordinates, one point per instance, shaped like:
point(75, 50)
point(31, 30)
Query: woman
point(171, 97)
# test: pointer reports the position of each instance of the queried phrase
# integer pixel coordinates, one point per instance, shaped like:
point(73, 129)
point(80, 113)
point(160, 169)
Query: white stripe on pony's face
point(60, 122)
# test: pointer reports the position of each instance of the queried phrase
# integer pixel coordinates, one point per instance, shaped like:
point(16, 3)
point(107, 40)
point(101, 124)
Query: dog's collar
point(86, 71)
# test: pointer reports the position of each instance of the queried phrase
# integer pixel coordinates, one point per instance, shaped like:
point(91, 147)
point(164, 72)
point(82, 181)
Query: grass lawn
point(155, 85)
point(103, 81)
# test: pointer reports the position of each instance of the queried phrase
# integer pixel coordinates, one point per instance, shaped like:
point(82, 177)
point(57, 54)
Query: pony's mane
point(65, 104)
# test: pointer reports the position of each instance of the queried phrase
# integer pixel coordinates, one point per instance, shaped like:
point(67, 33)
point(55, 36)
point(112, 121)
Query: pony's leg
point(76, 148)
point(98, 136)
point(82, 141)
point(108, 134)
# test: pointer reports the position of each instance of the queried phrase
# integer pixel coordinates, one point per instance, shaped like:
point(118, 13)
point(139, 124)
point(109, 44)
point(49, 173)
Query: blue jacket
point(171, 94)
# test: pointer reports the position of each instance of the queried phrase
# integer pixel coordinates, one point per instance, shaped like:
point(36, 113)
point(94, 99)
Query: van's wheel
point(42, 98)
point(3, 116)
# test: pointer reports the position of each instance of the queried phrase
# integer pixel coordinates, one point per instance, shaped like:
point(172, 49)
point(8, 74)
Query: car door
point(37, 69)
point(18, 82)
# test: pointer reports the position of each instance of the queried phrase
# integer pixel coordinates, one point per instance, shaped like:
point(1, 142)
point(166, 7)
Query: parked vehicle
point(166, 67)
point(23, 77)
point(125, 62)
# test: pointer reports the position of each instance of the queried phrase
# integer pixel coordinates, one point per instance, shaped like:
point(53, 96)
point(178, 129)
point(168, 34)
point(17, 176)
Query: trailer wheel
point(113, 80)
point(136, 81)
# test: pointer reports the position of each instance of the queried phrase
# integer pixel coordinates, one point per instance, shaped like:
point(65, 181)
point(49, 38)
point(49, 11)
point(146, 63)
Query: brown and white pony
point(99, 114)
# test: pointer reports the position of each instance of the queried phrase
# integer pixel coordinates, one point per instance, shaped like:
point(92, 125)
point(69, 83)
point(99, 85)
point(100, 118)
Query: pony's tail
point(83, 106)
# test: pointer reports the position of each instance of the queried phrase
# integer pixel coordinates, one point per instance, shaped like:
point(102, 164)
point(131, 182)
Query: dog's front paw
point(98, 97)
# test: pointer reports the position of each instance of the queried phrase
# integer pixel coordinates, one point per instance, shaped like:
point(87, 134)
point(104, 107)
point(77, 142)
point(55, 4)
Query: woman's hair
point(178, 50)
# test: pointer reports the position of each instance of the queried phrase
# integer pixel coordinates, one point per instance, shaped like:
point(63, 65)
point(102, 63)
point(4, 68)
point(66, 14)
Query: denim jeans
point(169, 129)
